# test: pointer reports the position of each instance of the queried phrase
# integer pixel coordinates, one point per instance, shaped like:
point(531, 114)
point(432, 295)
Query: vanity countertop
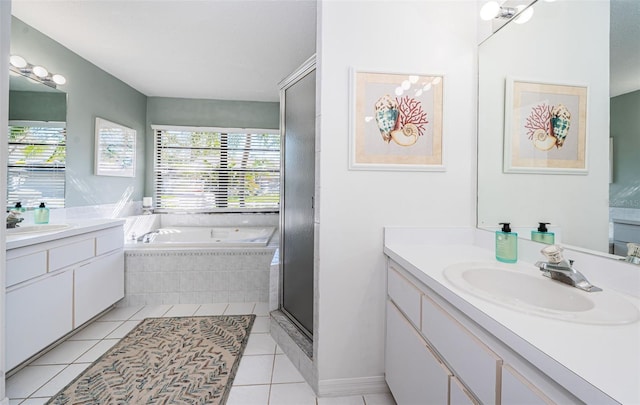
point(577, 356)
point(75, 228)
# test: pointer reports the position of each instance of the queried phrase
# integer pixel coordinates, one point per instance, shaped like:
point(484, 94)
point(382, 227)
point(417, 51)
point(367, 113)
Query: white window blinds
point(211, 169)
point(36, 164)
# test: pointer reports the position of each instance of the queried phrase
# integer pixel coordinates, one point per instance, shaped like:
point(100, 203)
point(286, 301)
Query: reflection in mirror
point(565, 42)
point(37, 144)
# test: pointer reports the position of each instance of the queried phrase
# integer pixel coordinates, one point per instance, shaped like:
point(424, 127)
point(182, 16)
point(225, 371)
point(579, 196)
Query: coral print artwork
point(545, 128)
point(397, 122)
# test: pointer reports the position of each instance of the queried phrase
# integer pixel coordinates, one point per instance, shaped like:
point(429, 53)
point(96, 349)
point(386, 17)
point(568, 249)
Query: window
point(216, 170)
point(36, 164)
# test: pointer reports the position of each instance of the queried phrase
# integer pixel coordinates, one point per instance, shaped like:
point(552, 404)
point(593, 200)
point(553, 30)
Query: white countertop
point(577, 356)
point(75, 228)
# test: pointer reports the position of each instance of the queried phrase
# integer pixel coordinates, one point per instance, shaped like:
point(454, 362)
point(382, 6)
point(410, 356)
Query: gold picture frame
point(396, 121)
point(545, 128)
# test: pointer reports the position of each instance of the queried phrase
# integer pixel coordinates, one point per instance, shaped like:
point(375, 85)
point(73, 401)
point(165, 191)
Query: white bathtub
point(201, 236)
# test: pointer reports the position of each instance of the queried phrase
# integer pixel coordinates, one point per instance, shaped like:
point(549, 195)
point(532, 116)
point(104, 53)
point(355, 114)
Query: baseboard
point(352, 386)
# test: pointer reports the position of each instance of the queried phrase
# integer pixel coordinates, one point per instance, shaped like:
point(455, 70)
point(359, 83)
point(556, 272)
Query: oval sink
point(519, 289)
point(43, 228)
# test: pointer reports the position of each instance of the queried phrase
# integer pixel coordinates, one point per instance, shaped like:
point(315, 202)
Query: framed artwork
point(545, 128)
point(396, 121)
point(115, 153)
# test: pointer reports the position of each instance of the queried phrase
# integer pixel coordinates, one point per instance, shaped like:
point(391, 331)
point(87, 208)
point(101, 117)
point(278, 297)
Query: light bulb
point(524, 16)
point(17, 61)
point(490, 10)
point(40, 71)
point(59, 79)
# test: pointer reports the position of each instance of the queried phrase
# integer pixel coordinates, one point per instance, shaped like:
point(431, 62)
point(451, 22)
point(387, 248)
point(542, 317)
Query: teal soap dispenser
point(41, 214)
point(543, 235)
point(506, 244)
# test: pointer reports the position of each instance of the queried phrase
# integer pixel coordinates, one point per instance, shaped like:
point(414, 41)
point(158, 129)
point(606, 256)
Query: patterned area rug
point(187, 360)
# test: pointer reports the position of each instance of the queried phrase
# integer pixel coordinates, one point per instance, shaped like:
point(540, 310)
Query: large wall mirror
point(37, 143)
point(565, 43)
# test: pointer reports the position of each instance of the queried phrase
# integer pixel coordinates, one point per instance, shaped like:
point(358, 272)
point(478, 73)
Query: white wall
point(5, 33)
point(387, 36)
point(565, 42)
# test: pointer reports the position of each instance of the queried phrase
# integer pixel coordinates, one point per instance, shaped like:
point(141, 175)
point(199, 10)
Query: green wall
point(37, 106)
point(625, 130)
point(91, 93)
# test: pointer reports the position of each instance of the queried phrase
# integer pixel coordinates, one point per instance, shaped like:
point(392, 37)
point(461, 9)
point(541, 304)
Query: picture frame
point(545, 129)
point(115, 149)
point(396, 121)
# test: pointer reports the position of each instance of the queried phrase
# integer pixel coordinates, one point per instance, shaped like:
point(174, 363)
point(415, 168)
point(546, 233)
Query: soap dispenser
point(543, 235)
point(41, 214)
point(506, 244)
point(18, 208)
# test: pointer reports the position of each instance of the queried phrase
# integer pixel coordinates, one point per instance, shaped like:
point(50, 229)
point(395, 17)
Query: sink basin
point(43, 228)
point(520, 289)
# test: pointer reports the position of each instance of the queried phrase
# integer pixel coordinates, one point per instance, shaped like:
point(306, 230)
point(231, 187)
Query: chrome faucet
point(13, 219)
point(559, 269)
point(147, 237)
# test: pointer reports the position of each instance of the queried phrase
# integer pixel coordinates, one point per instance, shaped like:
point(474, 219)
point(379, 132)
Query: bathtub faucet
point(146, 238)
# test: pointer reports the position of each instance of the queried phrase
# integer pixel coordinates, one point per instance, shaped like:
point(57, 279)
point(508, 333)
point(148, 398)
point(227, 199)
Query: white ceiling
point(208, 49)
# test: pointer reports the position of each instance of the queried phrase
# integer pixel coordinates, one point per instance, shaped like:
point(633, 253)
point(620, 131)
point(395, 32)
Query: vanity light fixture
point(492, 9)
point(18, 64)
point(523, 16)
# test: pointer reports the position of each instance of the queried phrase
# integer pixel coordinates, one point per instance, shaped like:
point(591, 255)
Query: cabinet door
point(460, 395)
point(413, 373)
point(98, 285)
point(518, 390)
point(37, 315)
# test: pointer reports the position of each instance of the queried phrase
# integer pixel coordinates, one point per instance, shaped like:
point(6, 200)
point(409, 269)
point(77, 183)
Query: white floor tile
point(150, 311)
point(260, 343)
point(182, 310)
point(352, 400)
point(261, 309)
point(123, 329)
point(66, 352)
point(97, 330)
point(61, 380)
point(279, 350)
point(254, 370)
point(240, 308)
point(17, 401)
point(120, 313)
point(292, 394)
point(211, 309)
point(379, 399)
point(26, 381)
point(261, 325)
point(96, 351)
point(284, 371)
point(249, 395)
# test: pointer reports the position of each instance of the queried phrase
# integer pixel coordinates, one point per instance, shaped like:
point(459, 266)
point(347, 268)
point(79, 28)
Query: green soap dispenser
point(543, 235)
point(506, 244)
point(41, 214)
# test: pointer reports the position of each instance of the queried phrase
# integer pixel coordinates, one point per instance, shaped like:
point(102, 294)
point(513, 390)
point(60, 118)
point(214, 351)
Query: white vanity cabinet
point(443, 357)
point(55, 286)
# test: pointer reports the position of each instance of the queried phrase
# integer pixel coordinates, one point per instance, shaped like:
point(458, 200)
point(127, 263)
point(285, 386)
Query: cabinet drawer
point(414, 374)
point(26, 267)
point(626, 232)
point(460, 395)
point(111, 239)
point(405, 295)
point(471, 361)
point(63, 256)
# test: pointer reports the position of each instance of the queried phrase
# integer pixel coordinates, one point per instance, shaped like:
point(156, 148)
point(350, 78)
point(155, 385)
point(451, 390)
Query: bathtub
point(205, 236)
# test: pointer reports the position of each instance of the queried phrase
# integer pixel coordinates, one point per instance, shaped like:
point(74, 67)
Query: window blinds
point(36, 164)
point(213, 170)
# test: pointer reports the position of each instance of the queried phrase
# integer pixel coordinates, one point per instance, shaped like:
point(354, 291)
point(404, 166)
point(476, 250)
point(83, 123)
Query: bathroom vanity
point(451, 343)
point(58, 280)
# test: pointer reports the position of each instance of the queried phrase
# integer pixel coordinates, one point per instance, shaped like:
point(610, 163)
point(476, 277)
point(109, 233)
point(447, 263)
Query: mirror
point(37, 139)
point(565, 43)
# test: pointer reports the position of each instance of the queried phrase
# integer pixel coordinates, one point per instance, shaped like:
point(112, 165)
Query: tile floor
point(265, 376)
